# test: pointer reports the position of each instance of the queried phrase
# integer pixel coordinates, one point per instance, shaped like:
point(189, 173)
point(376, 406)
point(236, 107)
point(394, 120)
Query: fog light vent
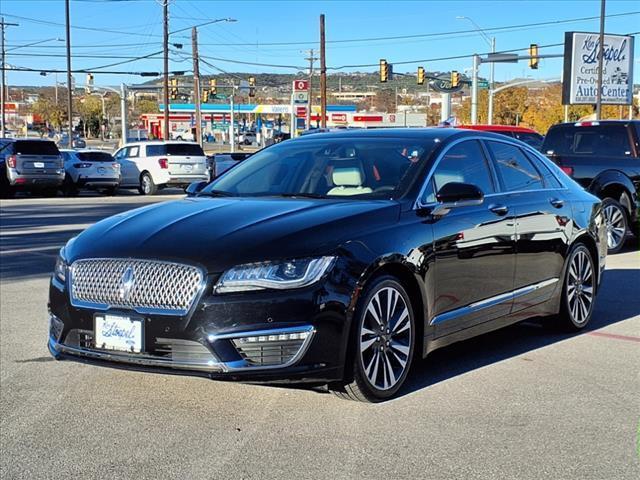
point(272, 349)
point(55, 327)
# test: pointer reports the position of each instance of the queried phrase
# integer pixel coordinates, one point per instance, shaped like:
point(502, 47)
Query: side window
point(550, 180)
point(133, 152)
point(515, 169)
point(119, 154)
point(154, 150)
point(463, 163)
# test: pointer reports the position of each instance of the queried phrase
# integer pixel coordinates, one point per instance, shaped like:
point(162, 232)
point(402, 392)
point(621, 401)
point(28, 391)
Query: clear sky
point(111, 31)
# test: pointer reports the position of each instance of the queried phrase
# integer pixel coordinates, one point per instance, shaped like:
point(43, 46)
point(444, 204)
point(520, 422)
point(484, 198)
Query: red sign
point(367, 118)
point(339, 117)
point(301, 111)
point(301, 85)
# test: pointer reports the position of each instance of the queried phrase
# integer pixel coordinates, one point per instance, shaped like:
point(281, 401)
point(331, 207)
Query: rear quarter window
point(35, 147)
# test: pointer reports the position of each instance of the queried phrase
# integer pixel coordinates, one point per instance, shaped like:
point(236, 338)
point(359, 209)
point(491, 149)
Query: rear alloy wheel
point(147, 186)
point(579, 289)
point(616, 223)
point(385, 338)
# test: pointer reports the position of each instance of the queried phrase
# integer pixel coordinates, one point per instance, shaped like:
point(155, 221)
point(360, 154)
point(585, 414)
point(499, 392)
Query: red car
point(526, 135)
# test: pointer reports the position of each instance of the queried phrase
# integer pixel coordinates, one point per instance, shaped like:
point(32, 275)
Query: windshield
point(95, 157)
point(175, 149)
point(602, 140)
point(36, 147)
point(532, 139)
point(320, 167)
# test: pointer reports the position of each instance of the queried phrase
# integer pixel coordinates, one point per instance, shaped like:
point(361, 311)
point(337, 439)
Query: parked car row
point(36, 165)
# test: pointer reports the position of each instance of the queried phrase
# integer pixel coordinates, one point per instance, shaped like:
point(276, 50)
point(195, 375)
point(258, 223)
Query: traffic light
point(384, 71)
point(252, 86)
point(173, 91)
point(205, 95)
point(213, 87)
point(420, 75)
point(455, 78)
point(533, 54)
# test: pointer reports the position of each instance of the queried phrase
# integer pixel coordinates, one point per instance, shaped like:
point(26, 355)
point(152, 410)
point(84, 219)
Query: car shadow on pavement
point(617, 301)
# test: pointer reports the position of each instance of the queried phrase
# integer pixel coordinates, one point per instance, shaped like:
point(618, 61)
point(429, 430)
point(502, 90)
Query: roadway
point(521, 403)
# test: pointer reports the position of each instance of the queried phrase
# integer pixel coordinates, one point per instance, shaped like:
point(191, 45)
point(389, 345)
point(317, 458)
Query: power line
point(430, 35)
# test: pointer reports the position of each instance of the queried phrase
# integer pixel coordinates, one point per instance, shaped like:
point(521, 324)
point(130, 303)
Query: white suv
point(151, 165)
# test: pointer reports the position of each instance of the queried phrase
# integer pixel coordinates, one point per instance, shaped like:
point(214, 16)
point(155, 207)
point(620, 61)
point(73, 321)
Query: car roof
point(498, 128)
point(423, 133)
point(160, 142)
point(26, 139)
point(595, 123)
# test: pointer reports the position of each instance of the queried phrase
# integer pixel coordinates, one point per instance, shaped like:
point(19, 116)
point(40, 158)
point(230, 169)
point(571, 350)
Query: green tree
point(50, 113)
point(89, 108)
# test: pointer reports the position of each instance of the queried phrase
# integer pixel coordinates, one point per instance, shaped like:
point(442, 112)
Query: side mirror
point(195, 187)
point(456, 195)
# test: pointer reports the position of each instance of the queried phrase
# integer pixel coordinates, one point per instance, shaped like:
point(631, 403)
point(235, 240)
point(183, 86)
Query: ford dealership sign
point(581, 51)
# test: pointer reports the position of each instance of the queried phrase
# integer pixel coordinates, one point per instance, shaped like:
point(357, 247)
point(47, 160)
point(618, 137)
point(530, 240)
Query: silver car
point(90, 169)
point(29, 165)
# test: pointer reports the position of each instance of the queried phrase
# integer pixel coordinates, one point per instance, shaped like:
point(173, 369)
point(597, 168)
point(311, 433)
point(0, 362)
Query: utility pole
point(165, 16)
point(600, 61)
point(196, 84)
point(3, 87)
point(323, 76)
point(311, 59)
point(69, 84)
point(232, 116)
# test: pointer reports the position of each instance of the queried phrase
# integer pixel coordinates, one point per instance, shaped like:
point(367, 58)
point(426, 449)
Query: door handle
point(556, 202)
point(500, 210)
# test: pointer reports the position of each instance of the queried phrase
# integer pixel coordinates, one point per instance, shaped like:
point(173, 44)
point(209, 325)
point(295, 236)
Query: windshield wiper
point(303, 195)
point(215, 193)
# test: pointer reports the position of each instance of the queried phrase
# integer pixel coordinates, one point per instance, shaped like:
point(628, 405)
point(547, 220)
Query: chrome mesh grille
point(142, 285)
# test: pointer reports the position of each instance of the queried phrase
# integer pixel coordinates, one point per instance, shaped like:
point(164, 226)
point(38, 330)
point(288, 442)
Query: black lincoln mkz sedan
point(333, 259)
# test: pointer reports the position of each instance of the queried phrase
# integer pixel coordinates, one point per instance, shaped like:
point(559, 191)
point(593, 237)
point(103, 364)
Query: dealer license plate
point(114, 332)
point(38, 164)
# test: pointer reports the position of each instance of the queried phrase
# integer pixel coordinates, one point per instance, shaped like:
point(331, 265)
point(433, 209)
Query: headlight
point(279, 275)
point(60, 270)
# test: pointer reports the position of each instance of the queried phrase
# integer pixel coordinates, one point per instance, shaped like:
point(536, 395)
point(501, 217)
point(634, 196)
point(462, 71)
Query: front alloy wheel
point(147, 186)
point(385, 343)
point(616, 223)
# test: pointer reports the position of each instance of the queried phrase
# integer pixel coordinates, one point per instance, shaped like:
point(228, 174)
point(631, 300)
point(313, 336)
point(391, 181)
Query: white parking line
point(35, 250)
point(46, 229)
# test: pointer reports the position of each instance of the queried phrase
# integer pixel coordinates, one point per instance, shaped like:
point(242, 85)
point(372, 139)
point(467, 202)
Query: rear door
point(542, 221)
point(185, 159)
point(37, 157)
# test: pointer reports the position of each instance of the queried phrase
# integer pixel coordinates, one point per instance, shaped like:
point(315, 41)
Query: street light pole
point(491, 84)
point(474, 90)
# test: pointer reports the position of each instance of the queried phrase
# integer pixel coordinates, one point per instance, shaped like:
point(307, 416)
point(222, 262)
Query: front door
point(474, 246)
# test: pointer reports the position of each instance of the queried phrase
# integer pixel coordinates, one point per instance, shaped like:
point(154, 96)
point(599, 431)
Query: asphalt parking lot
point(522, 402)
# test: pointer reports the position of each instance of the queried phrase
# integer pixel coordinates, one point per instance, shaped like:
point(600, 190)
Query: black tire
point(358, 384)
point(111, 191)
point(50, 192)
point(568, 320)
point(617, 224)
point(69, 189)
point(6, 190)
point(147, 186)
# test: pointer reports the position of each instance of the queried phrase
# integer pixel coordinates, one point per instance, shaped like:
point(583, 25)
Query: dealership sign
point(580, 80)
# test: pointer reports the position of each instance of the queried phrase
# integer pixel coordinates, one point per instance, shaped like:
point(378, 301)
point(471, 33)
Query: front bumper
point(276, 337)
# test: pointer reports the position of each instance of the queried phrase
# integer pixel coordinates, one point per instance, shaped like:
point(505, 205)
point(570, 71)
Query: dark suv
point(603, 157)
point(29, 164)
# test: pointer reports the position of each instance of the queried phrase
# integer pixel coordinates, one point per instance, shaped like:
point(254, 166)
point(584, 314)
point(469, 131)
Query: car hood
point(218, 233)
